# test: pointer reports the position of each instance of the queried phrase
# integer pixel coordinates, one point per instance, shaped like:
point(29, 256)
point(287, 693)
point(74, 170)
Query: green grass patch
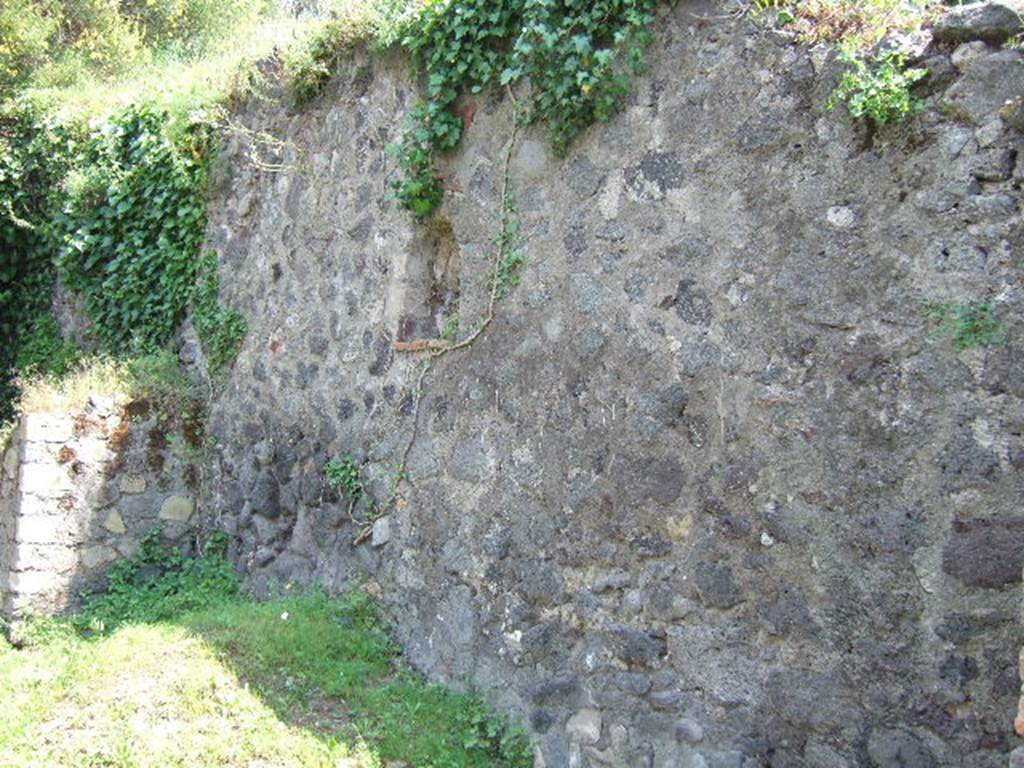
point(86, 56)
point(156, 378)
point(173, 667)
point(159, 583)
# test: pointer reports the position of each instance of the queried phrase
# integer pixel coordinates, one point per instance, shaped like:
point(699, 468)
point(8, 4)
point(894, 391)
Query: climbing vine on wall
point(132, 227)
point(574, 60)
point(34, 154)
point(576, 56)
point(220, 330)
point(117, 211)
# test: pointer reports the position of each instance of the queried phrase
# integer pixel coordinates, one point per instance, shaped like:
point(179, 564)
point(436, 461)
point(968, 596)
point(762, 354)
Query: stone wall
point(713, 489)
point(79, 490)
point(10, 463)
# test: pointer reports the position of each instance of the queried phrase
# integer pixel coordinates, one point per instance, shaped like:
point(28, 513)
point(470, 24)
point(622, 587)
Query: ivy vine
point(220, 331)
point(34, 155)
point(132, 227)
point(118, 212)
point(576, 56)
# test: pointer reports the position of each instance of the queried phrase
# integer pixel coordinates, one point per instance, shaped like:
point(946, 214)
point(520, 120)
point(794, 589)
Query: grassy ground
point(303, 681)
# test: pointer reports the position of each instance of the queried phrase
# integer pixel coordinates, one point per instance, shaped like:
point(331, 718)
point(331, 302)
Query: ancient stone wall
point(79, 490)
point(10, 463)
point(714, 488)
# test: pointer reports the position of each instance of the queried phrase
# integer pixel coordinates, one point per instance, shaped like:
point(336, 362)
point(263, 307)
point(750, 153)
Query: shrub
point(190, 27)
point(26, 29)
point(310, 64)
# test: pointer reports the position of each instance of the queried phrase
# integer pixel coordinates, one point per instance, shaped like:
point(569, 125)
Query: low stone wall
point(79, 490)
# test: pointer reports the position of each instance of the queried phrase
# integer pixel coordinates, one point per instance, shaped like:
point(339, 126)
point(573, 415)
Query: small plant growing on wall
point(878, 89)
point(968, 325)
point(343, 475)
point(451, 329)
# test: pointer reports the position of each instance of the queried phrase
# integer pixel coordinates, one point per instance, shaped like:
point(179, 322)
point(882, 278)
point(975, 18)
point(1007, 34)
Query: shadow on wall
point(80, 489)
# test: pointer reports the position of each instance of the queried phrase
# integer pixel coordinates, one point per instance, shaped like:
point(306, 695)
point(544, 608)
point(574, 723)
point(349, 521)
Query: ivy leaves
point(34, 155)
point(576, 56)
point(119, 211)
point(220, 331)
point(131, 228)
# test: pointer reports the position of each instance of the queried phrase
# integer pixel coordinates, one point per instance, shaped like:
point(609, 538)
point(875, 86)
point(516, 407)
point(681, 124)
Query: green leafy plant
point(968, 325)
point(42, 350)
point(878, 89)
point(159, 582)
point(34, 155)
point(122, 211)
point(427, 127)
point(132, 228)
point(508, 243)
point(576, 56)
point(221, 331)
point(113, 196)
point(343, 475)
point(485, 730)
